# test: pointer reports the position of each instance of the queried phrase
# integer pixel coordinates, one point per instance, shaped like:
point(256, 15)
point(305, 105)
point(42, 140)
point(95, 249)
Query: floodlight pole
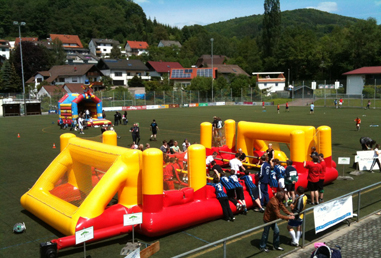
point(19, 24)
point(211, 40)
point(374, 97)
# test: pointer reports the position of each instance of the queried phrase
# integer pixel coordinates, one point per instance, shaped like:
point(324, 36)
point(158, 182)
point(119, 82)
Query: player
point(239, 192)
point(222, 198)
point(252, 189)
point(209, 160)
point(287, 110)
point(321, 177)
point(291, 177)
point(280, 173)
point(298, 206)
point(278, 108)
point(153, 128)
point(312, 107)
point(358, 122)
point(236, 165)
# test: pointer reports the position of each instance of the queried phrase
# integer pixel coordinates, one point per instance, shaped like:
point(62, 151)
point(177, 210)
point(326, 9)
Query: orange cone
point(54, 145)
point(18, 135)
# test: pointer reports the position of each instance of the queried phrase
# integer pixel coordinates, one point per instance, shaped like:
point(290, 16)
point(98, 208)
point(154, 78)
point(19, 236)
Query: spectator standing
point(321, 177)
point(214, 124)
point(314, 170)
point(335, 102)
point(153, 128)
point(116, 118)
point(341, 103)
point(312, 108)
point(270, 154)
point(272, 213)
point(103, 114)
point(80, 124)
point(264, 180)
point(297, 207)
point(125, 122)
point(376, 158)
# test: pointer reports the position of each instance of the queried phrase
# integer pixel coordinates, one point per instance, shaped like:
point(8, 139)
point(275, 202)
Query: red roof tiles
point(365, 70)
point(71, 41)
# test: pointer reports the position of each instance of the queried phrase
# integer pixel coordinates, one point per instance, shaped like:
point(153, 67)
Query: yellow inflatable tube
point(74, 164)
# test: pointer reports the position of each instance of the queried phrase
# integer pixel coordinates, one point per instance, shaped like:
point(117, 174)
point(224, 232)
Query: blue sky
point(189, 12)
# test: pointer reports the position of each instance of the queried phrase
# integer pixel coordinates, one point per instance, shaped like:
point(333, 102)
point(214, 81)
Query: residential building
point(159, 68)
point(4, 48)
point(356, 79)
point(136, 48)
point(183, 76)
point(78, 58)
point(122, 70)
point(70, 43)
point(102, 47)
point(169, 43)
point(62, 89)
point(270, 81)
point(206, 60)
point(31, 39)
point(61, 74)
point(226, 70)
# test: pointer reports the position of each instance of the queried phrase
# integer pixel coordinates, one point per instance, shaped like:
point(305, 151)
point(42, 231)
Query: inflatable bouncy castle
point(70, 105)
point(96, 184)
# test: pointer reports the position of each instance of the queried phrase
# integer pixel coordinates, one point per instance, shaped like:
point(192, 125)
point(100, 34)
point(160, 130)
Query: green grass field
point(24, 159)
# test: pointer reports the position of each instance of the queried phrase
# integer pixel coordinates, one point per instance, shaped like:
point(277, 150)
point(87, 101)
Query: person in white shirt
point(376, 158)
point(236, 165)
point(209, 159)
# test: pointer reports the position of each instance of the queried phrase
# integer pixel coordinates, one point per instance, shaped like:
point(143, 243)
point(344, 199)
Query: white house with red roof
point(136, 48)
point(356, 79)
point(4, 48)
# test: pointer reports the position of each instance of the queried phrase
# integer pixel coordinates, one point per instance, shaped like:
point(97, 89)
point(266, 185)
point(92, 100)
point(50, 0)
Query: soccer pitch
point(24, 158)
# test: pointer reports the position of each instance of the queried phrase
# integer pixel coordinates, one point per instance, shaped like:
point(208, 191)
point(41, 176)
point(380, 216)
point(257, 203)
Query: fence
point(224, 240)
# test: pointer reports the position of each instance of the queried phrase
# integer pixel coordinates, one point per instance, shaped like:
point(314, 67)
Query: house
point(61, 74)
point(270, 81)
point(227, 70)
point(102, 47)
point(161, 67)
point(356, 79)
point(183, 76)
point(135, 48)
point(169, 43)
point(206, 60)
point(78, 58)
point(122, 70)
point(70, 43)
point(50, 91)
point(4, 48)
point(31, 39)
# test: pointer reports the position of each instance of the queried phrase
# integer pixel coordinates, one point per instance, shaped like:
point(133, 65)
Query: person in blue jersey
point(230, 189)
point(264, 180)
point(252, 189)
point(280, 172)
point(222, 198)
point(297, 207)
point(291, 177)
point(239, 192)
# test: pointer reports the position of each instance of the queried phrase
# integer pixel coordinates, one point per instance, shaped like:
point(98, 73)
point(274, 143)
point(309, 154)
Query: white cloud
point(326, 6)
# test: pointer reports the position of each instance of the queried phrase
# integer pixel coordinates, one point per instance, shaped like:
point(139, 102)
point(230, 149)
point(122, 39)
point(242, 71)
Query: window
point(118, 74)
point(39, 80)
point(74, 79)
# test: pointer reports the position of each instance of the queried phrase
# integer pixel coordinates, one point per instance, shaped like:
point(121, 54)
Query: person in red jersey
point(314, 170)
point(321, 177)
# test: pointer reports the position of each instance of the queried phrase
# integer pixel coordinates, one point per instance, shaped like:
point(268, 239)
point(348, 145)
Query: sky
point(178, 13)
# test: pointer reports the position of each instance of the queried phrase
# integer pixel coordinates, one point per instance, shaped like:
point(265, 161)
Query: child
point(222, 198)
point(297, 207)
point(291, 177)
point(280, 171)
point(230, 189)
point(358, 122)
point(253, 189)
point(239, 192)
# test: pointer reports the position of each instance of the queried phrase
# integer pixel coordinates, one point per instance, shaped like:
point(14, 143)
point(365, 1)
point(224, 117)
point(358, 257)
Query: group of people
point(172, 146)
point(119, 118)
point(367, 144)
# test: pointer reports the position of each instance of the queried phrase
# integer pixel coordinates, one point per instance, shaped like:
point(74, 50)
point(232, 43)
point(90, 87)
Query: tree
point(135, 82)
point(271, 26)
point(58, 53)
point(9, 80)
point(35, 58)
point(115, 52)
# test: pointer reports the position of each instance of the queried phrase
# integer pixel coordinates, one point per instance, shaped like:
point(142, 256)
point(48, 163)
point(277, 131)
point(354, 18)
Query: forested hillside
point(312, 44)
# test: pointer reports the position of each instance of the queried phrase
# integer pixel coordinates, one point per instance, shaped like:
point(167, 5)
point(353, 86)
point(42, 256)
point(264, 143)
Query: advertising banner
point(173, 105)
point(229, 103)
point(329, 214)
point(114, 108)
point(212, 104)
point(136, 108)
point(185, 105)
point(248, 103)
point(202, 104)
point(193, 105)
point(220, 103)
point(152, 106)
point(365, 159)
point(163, 106)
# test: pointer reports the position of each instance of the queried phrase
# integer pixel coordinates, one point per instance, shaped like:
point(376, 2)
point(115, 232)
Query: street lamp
point(19, 24)
point(211, 40)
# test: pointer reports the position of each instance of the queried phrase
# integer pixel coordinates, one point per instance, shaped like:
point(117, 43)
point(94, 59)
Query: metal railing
point(224, 240)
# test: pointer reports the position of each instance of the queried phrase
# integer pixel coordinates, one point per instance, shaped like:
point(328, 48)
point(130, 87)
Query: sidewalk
point(362, 239)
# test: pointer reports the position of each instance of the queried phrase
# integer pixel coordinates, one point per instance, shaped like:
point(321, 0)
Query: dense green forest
point(312, 44)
